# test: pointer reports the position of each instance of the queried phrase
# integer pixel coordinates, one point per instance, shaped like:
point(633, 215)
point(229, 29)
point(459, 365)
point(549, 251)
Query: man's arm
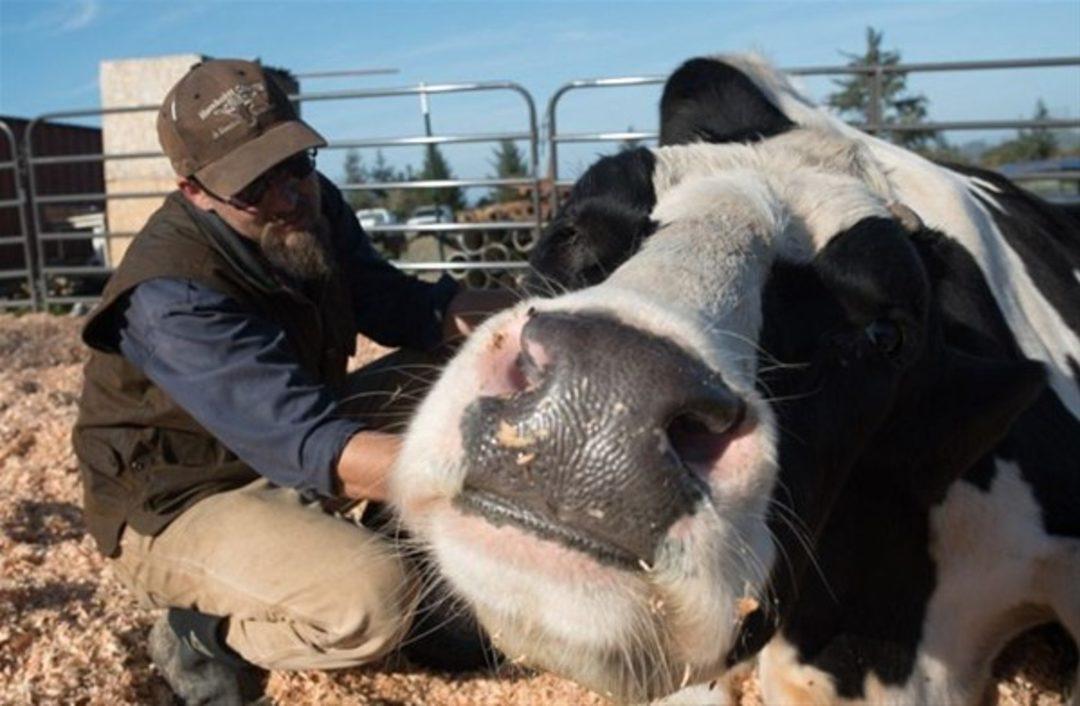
point(237, 376)
point(365, 464)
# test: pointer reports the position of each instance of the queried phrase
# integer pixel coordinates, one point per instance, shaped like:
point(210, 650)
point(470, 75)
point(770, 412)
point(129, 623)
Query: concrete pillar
point(125, 83)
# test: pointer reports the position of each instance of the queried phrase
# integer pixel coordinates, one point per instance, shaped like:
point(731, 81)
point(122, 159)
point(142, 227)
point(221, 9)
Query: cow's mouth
point(500, 511)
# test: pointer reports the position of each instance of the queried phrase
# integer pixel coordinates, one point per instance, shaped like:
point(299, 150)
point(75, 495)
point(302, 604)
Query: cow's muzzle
point(600, 446)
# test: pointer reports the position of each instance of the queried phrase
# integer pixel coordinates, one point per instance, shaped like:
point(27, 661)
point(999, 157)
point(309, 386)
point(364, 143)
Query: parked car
point(391, 244)
point(431, 213)
point(372, 217)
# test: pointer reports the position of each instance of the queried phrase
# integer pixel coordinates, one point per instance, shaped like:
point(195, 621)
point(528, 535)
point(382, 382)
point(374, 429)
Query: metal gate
point(40, 280)
point(875, 125)
point(65, 283)
point(17, 283)
point(62, 283)
point(457, 242)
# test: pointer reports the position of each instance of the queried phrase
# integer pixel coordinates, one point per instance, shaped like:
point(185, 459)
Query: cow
point(786, 391)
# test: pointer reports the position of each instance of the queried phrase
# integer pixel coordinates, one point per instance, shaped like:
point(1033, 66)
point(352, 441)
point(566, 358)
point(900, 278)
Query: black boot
point(189, 650)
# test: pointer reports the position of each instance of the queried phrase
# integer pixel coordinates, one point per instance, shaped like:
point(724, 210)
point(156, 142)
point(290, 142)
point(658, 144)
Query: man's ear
point(195, 194)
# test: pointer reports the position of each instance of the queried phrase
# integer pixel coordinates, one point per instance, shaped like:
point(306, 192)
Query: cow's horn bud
point(906, 217)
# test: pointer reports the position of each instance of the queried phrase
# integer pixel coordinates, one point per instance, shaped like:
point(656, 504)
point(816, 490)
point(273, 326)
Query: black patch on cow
point(868, 445)
point(971, 318)
point(706, 100)
point(1045, 444)
point(1045, 441)
point(603, 223)
point(866, 616)
point(1045, 236)
point(982, 474)
point(1072, 210)
point(838, 386)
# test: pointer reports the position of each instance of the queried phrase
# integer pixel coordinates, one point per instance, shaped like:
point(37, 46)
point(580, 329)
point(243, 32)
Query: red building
point(49, 140)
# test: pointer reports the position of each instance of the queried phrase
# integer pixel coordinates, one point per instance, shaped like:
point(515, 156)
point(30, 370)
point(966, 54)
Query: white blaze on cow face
point(697, 282)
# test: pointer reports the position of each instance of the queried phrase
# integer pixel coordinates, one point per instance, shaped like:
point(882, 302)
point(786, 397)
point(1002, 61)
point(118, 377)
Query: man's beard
point(298, 247)
point(297, 251)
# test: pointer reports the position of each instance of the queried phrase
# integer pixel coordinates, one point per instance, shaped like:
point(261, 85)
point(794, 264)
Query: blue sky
point(49, 54)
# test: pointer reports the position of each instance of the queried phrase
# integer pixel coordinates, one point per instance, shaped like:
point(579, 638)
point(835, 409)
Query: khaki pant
point(301, 589)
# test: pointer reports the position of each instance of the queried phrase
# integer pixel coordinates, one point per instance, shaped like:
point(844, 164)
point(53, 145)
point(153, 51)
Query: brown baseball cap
point(226, 122)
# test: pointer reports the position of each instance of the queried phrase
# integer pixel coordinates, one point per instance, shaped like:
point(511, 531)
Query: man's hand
point(469, 307)
point(364, 466)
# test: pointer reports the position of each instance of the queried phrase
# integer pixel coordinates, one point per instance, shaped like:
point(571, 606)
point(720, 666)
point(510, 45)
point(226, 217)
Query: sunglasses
point(296, 167)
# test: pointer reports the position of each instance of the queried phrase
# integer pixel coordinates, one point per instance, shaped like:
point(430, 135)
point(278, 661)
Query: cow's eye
point(886, 335)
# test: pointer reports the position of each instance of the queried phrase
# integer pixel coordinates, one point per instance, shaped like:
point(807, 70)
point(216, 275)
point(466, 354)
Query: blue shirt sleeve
point(237, 376)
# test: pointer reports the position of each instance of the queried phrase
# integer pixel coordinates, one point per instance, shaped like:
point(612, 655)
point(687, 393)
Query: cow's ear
point(706, 100)
point(967, 413)
point(551, 260)
point(586, 242)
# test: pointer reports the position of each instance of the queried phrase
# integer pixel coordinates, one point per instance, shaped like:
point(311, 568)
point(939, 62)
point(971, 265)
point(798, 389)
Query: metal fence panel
point(53, 278)
point(14, 277)
point(461, 246)
point(61, 256)
point(874, 125)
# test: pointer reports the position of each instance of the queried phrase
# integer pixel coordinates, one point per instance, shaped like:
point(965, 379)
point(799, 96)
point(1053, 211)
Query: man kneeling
point(217, 417)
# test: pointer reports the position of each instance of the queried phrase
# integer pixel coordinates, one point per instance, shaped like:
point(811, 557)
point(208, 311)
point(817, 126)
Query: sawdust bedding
point(69, 633)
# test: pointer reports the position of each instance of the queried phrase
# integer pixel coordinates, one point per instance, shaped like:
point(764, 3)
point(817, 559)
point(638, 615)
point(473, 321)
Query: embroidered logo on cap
point(245, 102)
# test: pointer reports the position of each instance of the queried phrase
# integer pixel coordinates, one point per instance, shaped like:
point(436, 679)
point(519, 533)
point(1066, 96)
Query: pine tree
point(356, 173)
point(382, 172)
point(1041, 141)
point(630, 144)
point(856, 94)
point(509, 163)
point(404, 201)
point(436, 167)
point(1030, 143)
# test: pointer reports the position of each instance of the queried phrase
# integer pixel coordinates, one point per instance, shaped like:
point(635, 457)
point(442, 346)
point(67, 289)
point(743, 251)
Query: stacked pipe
point(496, 246)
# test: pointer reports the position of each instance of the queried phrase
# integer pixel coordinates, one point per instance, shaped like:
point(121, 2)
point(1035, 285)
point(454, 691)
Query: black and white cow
point(801, 392)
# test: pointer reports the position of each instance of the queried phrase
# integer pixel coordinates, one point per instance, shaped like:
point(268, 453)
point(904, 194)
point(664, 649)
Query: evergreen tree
point(403, 201)
point(381, 172)
point(854, 98)
point(1030, 143)
point(509, 163)
point(630, 144)
point(436, 167)
point(356, 173)
point(1041, 141)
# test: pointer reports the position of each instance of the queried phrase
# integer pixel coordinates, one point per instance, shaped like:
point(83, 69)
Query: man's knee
point(370, 612)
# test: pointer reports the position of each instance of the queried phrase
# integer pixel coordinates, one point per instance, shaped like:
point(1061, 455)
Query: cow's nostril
point(527, 368)
point(532, 363)
point(699, 435)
